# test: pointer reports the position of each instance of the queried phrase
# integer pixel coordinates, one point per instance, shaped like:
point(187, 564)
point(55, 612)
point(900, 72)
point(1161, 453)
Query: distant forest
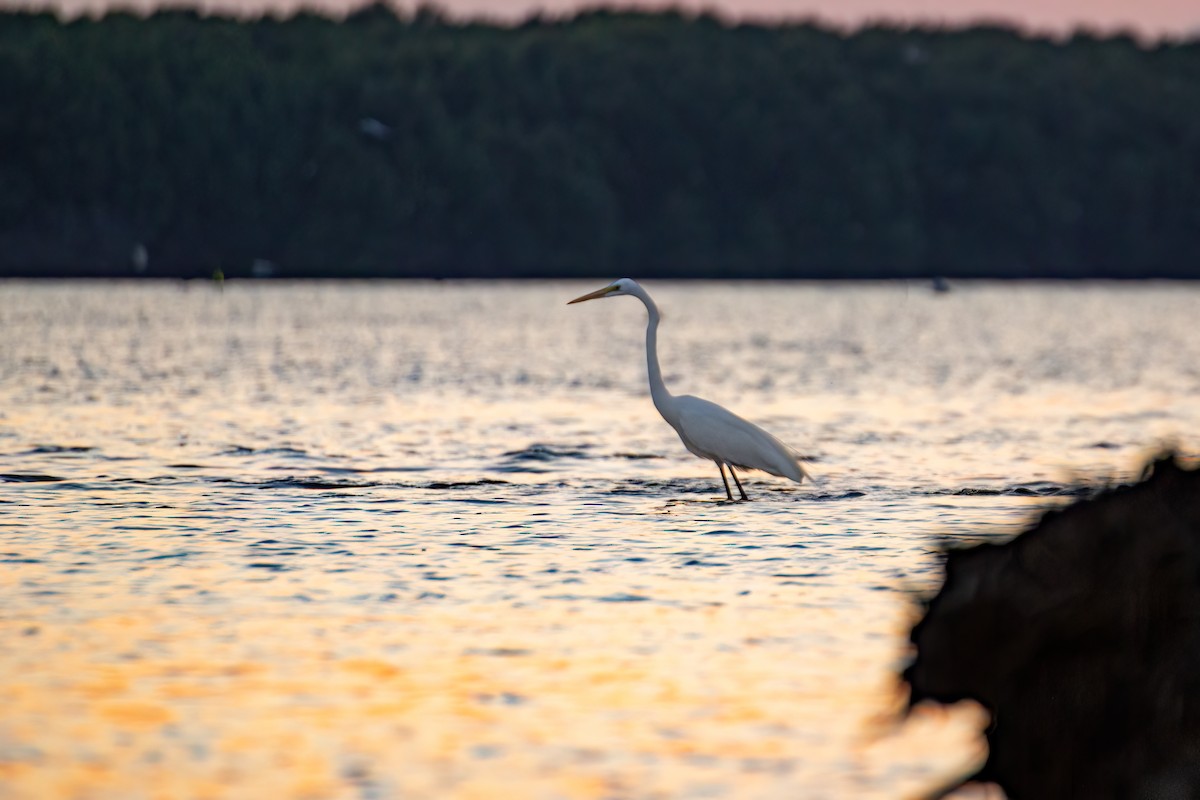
point(611, 143)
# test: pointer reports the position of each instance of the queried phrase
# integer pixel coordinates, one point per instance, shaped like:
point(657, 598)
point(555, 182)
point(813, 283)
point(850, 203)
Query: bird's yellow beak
point(607, 290)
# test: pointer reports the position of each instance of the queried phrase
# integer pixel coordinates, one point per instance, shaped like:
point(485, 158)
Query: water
point(432, 540)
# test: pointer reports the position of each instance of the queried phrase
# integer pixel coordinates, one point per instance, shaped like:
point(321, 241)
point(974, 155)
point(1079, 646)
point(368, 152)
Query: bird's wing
point(711, 431)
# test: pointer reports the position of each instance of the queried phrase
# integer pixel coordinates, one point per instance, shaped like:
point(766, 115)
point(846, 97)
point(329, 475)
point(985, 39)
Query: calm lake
point(432, 540)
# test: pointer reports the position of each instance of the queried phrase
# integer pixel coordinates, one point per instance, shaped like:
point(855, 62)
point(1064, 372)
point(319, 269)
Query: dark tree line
point(650, 144)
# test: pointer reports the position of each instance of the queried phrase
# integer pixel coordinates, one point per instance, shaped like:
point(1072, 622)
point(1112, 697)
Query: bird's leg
point(725, 481)
point(739, 483)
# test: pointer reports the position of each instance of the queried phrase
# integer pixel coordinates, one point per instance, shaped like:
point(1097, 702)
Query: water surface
point(432, 540)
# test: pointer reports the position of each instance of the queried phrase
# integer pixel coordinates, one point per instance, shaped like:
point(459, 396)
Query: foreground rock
point(1082, 638)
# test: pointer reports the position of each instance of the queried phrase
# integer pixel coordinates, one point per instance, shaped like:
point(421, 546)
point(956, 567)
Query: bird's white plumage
point(707, 430)
point(717, 434)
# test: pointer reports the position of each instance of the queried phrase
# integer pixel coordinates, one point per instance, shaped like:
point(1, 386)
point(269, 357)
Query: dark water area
point(432, 539)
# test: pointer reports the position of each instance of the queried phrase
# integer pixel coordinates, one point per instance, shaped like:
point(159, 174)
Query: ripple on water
point(287, 452)
point(378, 560)
point(547, 452)
point(464, 484)
point(1035, 489)
point(29, 477)
point(298, 483)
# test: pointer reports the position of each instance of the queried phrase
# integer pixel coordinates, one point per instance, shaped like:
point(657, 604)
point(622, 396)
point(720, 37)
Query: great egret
point(707, 430)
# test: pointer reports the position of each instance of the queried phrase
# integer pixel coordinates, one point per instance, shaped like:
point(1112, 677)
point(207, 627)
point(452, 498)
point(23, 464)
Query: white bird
point(707, 430)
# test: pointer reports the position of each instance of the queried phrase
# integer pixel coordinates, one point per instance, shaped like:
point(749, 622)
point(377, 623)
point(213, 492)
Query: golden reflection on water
point(629, 699)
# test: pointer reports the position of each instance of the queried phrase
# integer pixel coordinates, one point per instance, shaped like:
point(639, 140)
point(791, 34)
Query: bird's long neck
point(658, 389)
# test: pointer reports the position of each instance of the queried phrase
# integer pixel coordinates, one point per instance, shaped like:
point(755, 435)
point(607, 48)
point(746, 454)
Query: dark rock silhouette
point(1082, 638)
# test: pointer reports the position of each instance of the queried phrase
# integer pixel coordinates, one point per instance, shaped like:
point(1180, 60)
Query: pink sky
point(1148, 17)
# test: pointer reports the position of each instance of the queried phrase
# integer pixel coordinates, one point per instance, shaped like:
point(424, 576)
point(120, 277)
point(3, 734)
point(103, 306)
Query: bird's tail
point(804, 470)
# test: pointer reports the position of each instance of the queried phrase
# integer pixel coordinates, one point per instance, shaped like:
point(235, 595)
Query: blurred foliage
point(632, 143)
